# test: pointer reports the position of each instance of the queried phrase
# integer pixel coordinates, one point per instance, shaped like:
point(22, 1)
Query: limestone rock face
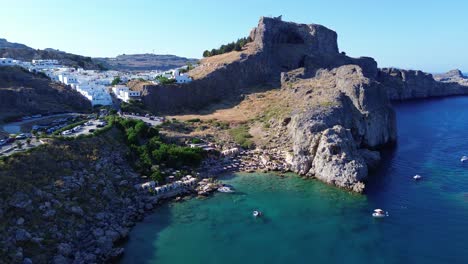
point(330, 141)
point(337, 160)
point(450, 75)
point(453, 76)
point(277, 47)
point(272, 33)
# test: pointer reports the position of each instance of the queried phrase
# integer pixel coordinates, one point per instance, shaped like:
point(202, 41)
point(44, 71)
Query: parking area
point(148, 119)
point(18, 136)
point(19, 143)
point(28, 123)
point(87, 128)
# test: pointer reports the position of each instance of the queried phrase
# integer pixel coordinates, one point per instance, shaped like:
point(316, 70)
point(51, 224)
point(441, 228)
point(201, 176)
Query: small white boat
point(417, 177)
point(464, 158)
point(379, 213)
point(225, 189)
point(257, 213)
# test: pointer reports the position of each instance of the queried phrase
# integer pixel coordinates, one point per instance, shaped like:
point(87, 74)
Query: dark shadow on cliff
point(380, 176)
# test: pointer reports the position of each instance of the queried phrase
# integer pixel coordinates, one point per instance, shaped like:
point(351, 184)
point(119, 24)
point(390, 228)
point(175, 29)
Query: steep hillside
point(4, 44)
point(23, 52)
point(68, 201)
point(24, 93)
point(144, 62)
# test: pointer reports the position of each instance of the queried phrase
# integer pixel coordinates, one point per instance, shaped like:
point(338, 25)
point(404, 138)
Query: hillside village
point(94, 84)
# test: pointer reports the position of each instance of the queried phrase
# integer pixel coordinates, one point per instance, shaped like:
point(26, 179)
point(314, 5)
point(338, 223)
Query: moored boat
point(379, 213)
point(257, 213)
point(225, 189)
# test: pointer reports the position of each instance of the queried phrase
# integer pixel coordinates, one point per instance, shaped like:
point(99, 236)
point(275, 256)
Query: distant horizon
point(417, 35)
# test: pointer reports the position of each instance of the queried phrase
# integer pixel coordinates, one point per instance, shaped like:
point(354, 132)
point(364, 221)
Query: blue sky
point(427, 35)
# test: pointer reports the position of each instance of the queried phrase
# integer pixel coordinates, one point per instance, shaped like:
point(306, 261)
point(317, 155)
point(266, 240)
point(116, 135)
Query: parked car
point(10, 140)
point(91, 130)
point(21, 136)
point(67, 132)
point(2, 142)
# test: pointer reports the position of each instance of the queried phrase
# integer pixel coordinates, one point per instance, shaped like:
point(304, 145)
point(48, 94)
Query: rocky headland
point(332, 113)
point(411, 84)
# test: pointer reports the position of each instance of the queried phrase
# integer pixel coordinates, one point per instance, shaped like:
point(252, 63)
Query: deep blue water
point(309, 222)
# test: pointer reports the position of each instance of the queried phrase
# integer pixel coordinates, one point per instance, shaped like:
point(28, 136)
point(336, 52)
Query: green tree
point(237, 46)
point(157, 176)
point(165, 80)
point(116, 80)
point(19, 144)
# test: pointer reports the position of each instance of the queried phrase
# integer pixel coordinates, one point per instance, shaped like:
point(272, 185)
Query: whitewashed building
point(96, 94)
point(6, 62)
point(176, 75)
point(125, 94)
point(45, 63)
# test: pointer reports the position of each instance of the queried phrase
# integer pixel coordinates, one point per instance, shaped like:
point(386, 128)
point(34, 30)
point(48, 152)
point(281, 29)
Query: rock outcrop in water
point(331, 139)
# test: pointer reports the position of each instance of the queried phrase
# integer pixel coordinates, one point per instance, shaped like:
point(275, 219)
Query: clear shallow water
point(306, 221)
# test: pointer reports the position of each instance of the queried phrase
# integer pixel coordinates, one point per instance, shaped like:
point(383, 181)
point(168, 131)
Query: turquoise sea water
point(309, 222)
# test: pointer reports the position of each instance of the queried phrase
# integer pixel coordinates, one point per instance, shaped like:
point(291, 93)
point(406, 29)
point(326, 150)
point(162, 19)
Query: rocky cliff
point(332, 138)
point(24, 93)
point(453, 76)
point(277, 47)
point(337, 109)
point(410, 84)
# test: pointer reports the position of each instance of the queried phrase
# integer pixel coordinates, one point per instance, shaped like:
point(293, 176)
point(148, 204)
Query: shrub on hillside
point(237, 46)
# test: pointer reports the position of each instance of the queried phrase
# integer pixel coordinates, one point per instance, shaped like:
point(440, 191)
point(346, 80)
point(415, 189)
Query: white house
point(45, 63)
point(175, 74)
point(97, 94)
point(124, 93)
point(68, 80)
point(183, 78)
point(6, 62)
